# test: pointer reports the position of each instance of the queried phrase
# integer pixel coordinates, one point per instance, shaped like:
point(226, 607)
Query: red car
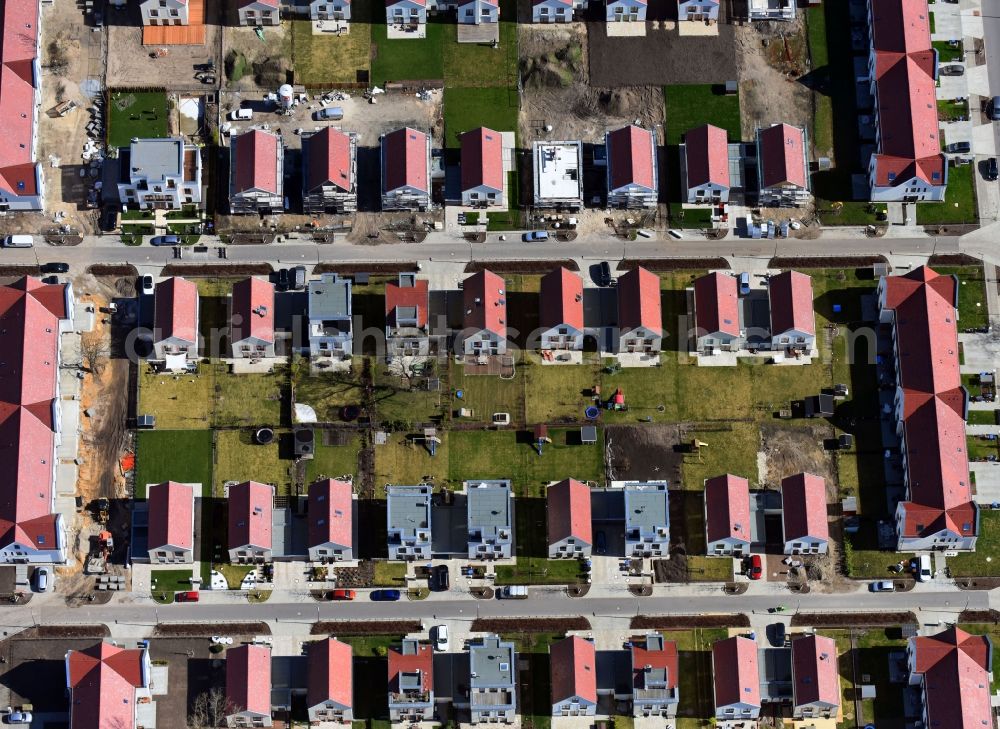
point(342, 594)
point(756, 569)
point(191, 596)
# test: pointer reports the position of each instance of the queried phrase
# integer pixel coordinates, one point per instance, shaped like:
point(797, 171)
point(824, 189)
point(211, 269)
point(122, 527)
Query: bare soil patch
point(665, 265)
point(789, 450)
point(373, 627)
point(218, 271)
point(348, 268)
point(834, 262)
point(682, 622)
point(643, 452)
point(66, 631)
point(770, 58)
point(529, 625)
point(524, 267)
point(196, 630)
point(845, 620)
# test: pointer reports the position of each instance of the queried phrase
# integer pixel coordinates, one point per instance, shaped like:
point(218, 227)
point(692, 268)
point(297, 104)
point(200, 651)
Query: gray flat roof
point(491, 663)
point(409, 507)
point(646, 504)
point(156, 158)
point(489, 504)
point(330, 297)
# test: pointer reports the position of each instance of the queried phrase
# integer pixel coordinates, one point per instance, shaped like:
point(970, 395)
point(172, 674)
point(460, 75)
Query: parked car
point(534, 236)
point(146, 285)
point(55, 268)
point(604, 274)
point(744, 282)
point(342, 594)
point(953, 69)
point(281, 282)
point(441, 642)
point(297, 277)
point(18, 717)
point(512, 592)
point(601, 542)
point(43, 579)
point(755, 568)
point(922, 568)
point(959, 147)
point(990, 170)
point(385, 595)
point(331, 113)
point(882, 586)
point(165, 240)
point(994, 109)
point(241, 114)
point(189, 596)
point(440, 578)
point(18, 241)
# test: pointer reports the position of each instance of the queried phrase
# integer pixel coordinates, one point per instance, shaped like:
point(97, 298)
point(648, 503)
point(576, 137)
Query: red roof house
point(105, 683)
point(484, 299)
point(330, 694)
point(331, 521)
point(803, 514)
point(250, 510)
point(20, 176)
point(248, 685)
point(655, 676)
point(175, 319)
point(953, 670)
point(409, 295)
point(171, 522)
point(727, 515)
point(716, 310)
point(706, 164)
point(561, 310)
point(640, 315)
point(569, 525)
point(482, 167)
point(329, 171)
point(782, 165)
point(793, 322)
point(737, 678)
point(815, 679)
point(256, 179)
point(573, 665)
point(405, 169)
point(411, 681)
point(251, 323)
point(631, 154)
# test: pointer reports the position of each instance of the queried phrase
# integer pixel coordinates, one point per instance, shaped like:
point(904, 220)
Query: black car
point(959, 147)
point(990, 171)
point(604, 274)
point(165, 240)
point(440, 578)
point(55, 268)
point(282, 279)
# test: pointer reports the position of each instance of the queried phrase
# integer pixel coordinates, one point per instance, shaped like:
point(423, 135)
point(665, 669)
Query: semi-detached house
point(171, 523)
point(256, 178)
point(705, 162)
point(561, 311)
point(406, 170)
point(573, 667)
point(727, 516)
point(248, 686)
point(482, 168)
point(484, 320)
point(568, 514)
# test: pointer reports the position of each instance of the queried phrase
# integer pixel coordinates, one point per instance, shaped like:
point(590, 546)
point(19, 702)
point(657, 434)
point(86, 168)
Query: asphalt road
point(991, 37)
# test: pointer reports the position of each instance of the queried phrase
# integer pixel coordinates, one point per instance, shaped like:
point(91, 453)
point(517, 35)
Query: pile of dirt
point(847, 620)
point(789, 450)
point(529, 625)
point(372, 627)
point(685, 622)
point(560, 67)
point(354, 577)
point(194, 630)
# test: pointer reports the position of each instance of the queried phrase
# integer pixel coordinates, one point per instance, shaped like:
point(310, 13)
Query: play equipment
point(592, 413)
point(541, 437)
point(431, 441)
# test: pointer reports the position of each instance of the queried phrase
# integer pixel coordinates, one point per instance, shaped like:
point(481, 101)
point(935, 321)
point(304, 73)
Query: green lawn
point(952, 110)
point(959, 205)
point(172, 455)
point(985, 561)
point(982, 417)
point(407, 400)
point(509, 219)
point(870, 563)
point(947, 53)
point(164, 583)
point(559, 392)
point(141, 114)
point(328, 59)
point(732, 449)
point(689, 218)
point(249, 400)
point(471, 108)
point(691, 105)
point(531, 546)
point(408, 58)
point(822, 136)
point(972, 307)
point(234, 573)
point(331, 461)
point(849, 212)
point(390, 574)
point(179, 402)
point(406, 461)
point(239, 458)
point(487, 394)
point(327, 392)
point(475, 64)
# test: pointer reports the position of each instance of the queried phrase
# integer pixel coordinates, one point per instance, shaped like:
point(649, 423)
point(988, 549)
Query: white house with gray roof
point(647, 519)
point(408, 510)
point(492, 681)
point(330, 334)
point(160, 174)
point(491, 519)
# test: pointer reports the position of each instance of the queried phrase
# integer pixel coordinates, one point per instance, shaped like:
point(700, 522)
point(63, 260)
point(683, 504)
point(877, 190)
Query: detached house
point(782, 165)
point(736, 679)
point(631, 150)
point(251, 319)
point(490, 515)
point(647, 519)
point(408, 517)
point(407, 326)
point(727, 516)
point(248, 686)
point(160, 174)
point(484, 319)
point(625, 11)
point(406, 169)
point(330, 331)
point(476, 12)
point(492, 681)
point(554, 11)
point(698, 10)
point(330, 172)
point(259, 12)
point(573, 667)
point(561, 311)
point(803, 514)
point(771, 9)
point(165, 12)
point(482, 168)
point(570, 532)
point(793, 322)
point(256, 176)
point(411, 682)
point(171, 523)
point(716, 314)
point(175, 323)
point(705, 163)
point(331, 521)
point(815, 679)
point(110, 687)
point(250, 518)
point(330, 10)
point(401, 13)
point(953, 671)
point(330, 694)
point(655, 677)
point(640, 318)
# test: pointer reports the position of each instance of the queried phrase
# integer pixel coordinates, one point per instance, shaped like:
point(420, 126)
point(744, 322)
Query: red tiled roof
point(17, 95)
point(415, 296)
point(707, 156)
point(102, 682)
point(331, 674)
point(727, 505)
point(783, 156)
point(482, 159)
point(269, 3)
point(248, 679)
point(900, 26)
point(390, 3)
point(484, 298)
point(256, 162)
point(716, 304)
point(956, 667)
point(791, 298)
point(630, 157)
point(734, 663)
point(568, 511)
point(329, 159)
point(803, 507)
point(253, 310)
point(573, 664)
point(666, 659)
point(561, 299)
point(926, 334)
point(171, 510)
point(250, 506)
point(639, 301)
point(567, 3)
point(29, 339)
point(176, 310)
point(814, 670)
point(404, 154)
point(422, 660)
point(331, 513)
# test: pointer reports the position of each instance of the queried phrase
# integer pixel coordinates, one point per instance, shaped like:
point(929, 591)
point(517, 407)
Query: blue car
point(165, 240)
point(385, 595)
point(535, 235)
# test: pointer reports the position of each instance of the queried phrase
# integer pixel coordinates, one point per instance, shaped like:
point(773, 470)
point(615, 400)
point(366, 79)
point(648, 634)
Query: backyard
point(689, 106)
point(959, 205)
point(326, 60)
point(470, 108)
point(132, 114)
point(408, 58)
point(172, 455)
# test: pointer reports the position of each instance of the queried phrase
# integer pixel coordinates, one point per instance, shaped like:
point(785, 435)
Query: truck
point(513, 592)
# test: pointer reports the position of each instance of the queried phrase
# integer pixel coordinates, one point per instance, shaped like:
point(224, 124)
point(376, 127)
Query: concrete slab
point(987, 483)
point(628, 30)
point(396, 32)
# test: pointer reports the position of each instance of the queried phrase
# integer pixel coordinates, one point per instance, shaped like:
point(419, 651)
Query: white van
point(241, 115)
point(513, 592)
point(924, 571)
point(18, 241)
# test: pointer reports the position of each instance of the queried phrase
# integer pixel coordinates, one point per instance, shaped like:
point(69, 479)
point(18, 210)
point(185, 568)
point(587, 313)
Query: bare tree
point(210, 709)
point(95, 352)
